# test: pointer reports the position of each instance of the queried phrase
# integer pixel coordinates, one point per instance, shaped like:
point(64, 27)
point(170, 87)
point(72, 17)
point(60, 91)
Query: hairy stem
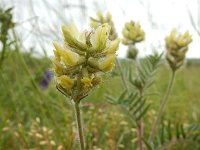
point(79, 125)
point(161, 108)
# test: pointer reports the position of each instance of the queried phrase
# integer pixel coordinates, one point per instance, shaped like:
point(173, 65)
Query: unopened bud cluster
point(177, 47)
point(95, 22)
point(83, 56)
point(132, 34)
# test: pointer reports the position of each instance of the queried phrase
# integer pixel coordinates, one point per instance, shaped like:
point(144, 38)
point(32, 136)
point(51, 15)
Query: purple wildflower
point(45, 80)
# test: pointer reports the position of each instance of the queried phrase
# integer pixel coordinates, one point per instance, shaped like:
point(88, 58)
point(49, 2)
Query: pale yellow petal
point(99, 37)
point(65, 82)
point(108, 63)
point(112, 46)
point(69, 58)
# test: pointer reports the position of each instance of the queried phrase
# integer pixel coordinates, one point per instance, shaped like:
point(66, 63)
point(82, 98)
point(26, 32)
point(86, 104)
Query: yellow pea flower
point(68, 57)
point(112, 46)
point(108, 63)
point(65, 82)
point(100, 36)
point(71, 35)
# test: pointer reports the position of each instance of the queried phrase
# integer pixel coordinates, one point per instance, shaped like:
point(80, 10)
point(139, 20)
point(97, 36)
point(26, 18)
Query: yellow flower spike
point(132, 33)
point(69, 58)
point(177, 47)
point(107, 64)
point(78, 70)
point(112, 46)
point(87, 82)
point(100, 36)
point(65, 82)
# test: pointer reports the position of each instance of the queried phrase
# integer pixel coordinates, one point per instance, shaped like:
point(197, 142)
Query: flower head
point(177, 47)
point(78, 62)
point(132, 33)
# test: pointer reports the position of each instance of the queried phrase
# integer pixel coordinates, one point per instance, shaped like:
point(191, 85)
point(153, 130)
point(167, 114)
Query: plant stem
point(3, 54)
point(79, 125)
point(161, 108)
point(139, 134)
point(139, 125)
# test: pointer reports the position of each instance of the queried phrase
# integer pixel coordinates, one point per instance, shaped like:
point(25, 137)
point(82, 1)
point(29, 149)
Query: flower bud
point(132, 33)
point(93, 62)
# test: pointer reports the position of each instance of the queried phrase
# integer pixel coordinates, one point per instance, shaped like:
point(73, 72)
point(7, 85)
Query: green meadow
point(34, 117)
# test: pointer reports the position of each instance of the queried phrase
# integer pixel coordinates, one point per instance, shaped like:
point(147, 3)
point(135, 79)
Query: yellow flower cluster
point(83, 55)
point(177, 46)
point(132, 33)
point(94, 23)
